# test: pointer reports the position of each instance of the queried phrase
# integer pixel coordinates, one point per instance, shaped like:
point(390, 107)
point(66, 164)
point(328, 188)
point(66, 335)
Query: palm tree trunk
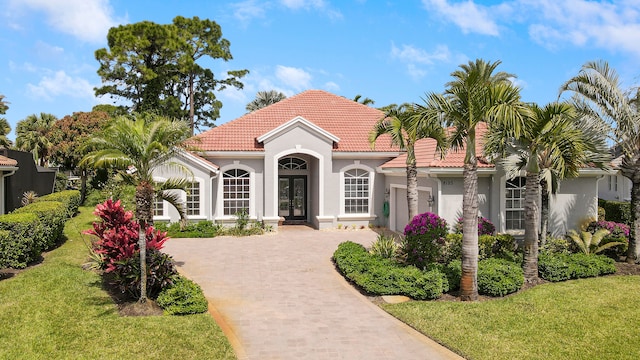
point(412, 190)
point(83, 185)
point(469, 279)
point(633, 252)
point(144, 201)
point(530, 263)
point(544, 212)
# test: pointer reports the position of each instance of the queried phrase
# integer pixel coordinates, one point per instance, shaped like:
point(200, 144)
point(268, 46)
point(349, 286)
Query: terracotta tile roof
point(427, 156)
point(350, 121)
point(6, 161)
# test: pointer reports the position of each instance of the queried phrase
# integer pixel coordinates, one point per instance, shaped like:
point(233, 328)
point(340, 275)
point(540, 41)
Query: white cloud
point(47, 51)
point(295, 78)
point(467, 15)
point(312, 5)
point(331, 86)
point(60, 83)
point(247, 10)
point(416, 59)
point(609, 25)
point(87, 20)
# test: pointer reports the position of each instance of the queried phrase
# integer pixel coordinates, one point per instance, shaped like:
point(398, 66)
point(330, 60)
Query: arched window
point(356, 191)
point(235, 191)
point(292, 163)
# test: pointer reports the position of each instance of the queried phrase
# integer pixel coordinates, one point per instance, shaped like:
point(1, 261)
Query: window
point(514, 214)
point(158, 203)
point(613, 183)
point(292, 163)
point(356, 191)
point(193, 199)
point(235, 191)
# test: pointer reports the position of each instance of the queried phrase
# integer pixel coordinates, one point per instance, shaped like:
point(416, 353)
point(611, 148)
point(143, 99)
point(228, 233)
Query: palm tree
point(264, 99)
point(475, 95)
point(364, 101)
point(5, 129)
point(32, 134)
point(554, 145)
point(3, 105)
point(599, 96)
point(406, 125)
point(136, 147)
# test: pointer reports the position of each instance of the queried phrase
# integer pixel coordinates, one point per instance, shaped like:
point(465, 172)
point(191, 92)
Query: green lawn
point(56, 310)
point(597, 318)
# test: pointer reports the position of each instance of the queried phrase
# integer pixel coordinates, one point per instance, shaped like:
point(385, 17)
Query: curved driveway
point(278, 296)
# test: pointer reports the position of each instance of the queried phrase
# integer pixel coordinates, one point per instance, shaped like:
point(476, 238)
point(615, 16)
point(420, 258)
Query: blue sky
point(389, 51)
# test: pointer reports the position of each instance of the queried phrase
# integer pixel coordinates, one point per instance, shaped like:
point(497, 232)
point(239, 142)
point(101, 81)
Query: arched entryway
point(293, 191)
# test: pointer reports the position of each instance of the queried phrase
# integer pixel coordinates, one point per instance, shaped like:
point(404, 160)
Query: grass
point(56, 310)
point(596, 318)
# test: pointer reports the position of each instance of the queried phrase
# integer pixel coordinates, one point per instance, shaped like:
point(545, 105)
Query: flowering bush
point(424, 238)
point(619, 232)
point(117, 234)
point(485, 226)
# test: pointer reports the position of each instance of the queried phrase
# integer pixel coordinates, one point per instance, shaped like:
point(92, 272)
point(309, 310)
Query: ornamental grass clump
point(424, 238)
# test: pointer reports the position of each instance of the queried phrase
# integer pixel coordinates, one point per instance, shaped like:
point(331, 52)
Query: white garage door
point(401, 210)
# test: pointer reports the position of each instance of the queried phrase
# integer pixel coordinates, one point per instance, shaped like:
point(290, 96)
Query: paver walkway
point(279, 296)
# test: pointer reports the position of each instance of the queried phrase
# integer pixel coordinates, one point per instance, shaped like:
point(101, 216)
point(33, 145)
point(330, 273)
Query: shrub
point(384, 247)
point(160, 273)
point(28, 197)
point(201, 229)
point(71, 198)
point(242, 219)
point(453, 271)
point(380, 276)
point(452, 248)
point(499, 277)
point(485, 226)
point(25, 241)
point(619, 234)
point(500, 245)
point(589, 243)
point(602, 214)
point(117, 234)
point(556, 245)
point(424, 238)
point(560, 267)
point(182, 297)
point(618, 211)
point(52, 215)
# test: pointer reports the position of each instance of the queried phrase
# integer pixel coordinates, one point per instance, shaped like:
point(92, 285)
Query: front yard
point(595, 318)
point(57, 310)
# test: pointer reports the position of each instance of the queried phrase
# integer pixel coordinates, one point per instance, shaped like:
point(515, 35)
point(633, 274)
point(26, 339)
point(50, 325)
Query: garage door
point(401, 211)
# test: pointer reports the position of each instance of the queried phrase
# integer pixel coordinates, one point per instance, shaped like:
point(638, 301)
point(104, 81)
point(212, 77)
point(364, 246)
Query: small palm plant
point(589, 243)
point(28, 197)
point(385, 247)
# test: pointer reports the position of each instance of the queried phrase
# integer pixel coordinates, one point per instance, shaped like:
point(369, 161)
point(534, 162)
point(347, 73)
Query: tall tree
point(136, 148)
point(599, 96)
point(33, 134)
point(68, 137)
point(554, 145)
point(156, 67)
point(5, 128)
point(406, 124)
point(264, 99)
point(476, 94)
point(364, 101)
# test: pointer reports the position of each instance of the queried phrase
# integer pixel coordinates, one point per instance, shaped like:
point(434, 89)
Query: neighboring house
point(307, 159)
point(615, 186)
point(28, 177)
point(8, 167)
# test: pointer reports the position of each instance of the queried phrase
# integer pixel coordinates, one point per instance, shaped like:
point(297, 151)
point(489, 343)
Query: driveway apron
point(279, 296)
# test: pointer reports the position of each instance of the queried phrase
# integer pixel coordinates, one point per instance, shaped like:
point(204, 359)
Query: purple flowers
point(424, 238)
point(485, 226)
point(616, 229)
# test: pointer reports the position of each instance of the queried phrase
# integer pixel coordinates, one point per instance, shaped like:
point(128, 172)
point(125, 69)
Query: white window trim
point(321, 174)
point(165, 208)
point(201, 215)
point(252, 191)
point(503, 207)
point(368, 215)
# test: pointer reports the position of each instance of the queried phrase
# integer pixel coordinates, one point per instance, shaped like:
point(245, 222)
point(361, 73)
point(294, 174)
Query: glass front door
point(292, 197)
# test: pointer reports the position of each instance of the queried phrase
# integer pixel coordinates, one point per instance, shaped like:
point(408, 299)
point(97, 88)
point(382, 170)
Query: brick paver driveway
point(278, 296)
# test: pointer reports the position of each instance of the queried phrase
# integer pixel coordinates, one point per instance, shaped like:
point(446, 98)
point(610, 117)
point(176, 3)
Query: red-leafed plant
point(117, 235)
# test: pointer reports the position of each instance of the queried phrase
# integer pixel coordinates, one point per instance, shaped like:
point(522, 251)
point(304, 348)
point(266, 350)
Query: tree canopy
point(5, 128)
point(33, 134)
point(155, 67)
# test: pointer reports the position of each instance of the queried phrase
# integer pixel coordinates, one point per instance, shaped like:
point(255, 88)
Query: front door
point(292, 197)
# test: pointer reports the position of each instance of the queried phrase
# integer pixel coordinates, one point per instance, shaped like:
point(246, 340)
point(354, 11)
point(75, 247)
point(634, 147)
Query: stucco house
point(307, 159)
point(615, 186)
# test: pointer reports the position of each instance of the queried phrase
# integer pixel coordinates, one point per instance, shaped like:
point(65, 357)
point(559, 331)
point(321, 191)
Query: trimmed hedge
point(22, 239)
point(378, 276)
point(71, 198)
point(618, 211)
point(560, 267)
point(52, 215)
point(490, 246)
point(499, 277)
point(182, 298)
